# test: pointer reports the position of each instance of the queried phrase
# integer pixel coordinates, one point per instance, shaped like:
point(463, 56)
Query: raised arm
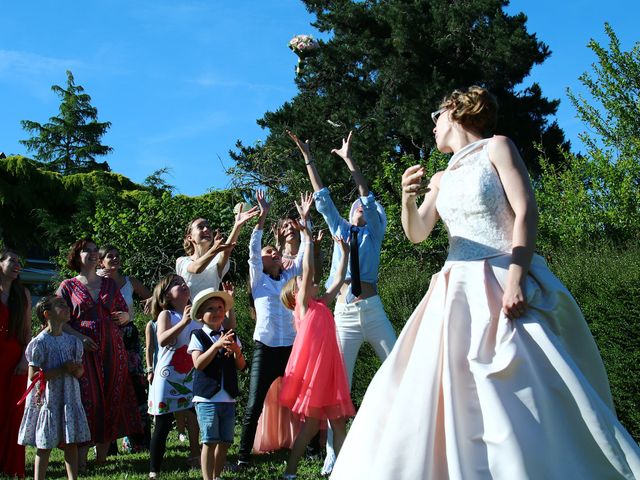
point(199, 264)
point(314, 176)
point(419, 222)
point(306, 284)
point(334, 289)
point(517, 187)
point(345, 153)
point(240, 219)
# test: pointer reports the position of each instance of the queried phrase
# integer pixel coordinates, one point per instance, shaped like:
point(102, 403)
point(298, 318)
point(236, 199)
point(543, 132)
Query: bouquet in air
point(302, 46)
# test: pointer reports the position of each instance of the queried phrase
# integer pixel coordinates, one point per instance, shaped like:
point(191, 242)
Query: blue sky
point(181, 81)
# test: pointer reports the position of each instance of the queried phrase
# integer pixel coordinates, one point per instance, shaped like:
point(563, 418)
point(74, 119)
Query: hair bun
point(474, 108)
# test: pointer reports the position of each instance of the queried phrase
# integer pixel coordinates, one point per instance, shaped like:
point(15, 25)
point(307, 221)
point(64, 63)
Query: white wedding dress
point(469, 394)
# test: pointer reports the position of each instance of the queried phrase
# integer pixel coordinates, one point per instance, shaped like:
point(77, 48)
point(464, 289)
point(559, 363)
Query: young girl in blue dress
point(54, 416)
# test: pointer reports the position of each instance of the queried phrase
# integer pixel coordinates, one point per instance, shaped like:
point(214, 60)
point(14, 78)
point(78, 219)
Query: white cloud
point(15, 63)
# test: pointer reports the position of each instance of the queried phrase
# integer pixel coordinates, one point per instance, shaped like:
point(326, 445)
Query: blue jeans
point(216, 421)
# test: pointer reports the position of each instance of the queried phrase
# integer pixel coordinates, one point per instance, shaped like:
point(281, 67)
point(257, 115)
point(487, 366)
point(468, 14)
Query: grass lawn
point(136, 466)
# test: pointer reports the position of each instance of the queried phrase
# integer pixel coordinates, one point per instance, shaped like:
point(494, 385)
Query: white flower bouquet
point(302, 46)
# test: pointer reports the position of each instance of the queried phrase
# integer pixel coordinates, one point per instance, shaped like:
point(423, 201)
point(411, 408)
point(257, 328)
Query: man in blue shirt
point(359, 313)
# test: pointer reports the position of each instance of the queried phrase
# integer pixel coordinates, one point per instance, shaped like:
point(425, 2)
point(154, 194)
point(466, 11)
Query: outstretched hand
point(317, 238)
point(345, 151)
point(342, 244)
point(228, 288)
point(306, 200)
point(244, 217)
point(218, 244)
point(263, 202)
point(303, 147)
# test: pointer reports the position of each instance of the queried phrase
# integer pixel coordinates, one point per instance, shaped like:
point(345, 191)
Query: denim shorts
point(216, 421)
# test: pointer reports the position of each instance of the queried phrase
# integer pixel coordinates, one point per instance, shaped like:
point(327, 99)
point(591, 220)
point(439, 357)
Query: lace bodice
point(473, 206)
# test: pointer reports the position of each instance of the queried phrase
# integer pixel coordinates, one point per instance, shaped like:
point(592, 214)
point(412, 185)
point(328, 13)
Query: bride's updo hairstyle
point(474, 108)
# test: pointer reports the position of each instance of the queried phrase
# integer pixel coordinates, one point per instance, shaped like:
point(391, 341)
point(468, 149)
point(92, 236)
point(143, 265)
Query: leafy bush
point(606, 284)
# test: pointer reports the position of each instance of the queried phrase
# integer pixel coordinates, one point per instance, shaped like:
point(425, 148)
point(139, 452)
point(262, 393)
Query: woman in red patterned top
point(97, 310)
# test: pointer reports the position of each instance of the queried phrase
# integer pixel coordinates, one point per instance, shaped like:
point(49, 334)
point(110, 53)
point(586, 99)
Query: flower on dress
point(181, 361)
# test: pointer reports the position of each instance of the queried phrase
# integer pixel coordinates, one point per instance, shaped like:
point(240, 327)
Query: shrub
point(606, 284)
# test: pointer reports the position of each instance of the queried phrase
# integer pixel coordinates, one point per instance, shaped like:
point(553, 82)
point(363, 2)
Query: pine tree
point(386, 65)
point(70, 142)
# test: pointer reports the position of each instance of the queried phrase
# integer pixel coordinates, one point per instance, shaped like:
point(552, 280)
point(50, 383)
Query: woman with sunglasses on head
point(495, 375)
point(15, 334)
point(97, 311)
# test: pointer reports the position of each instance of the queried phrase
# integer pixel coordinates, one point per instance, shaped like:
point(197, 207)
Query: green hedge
point(606, 284)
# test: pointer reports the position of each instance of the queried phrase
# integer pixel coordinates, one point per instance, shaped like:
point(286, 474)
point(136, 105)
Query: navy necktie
point(354, 262)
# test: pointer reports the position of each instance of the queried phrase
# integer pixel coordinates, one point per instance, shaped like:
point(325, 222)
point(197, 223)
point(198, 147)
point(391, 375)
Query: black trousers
point(268, 364)
point(159, 441)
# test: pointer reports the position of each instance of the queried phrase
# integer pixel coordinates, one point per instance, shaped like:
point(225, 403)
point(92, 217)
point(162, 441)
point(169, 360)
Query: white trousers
point(363, 321)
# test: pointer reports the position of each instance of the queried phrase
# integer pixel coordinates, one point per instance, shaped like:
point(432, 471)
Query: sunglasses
point(436, 114)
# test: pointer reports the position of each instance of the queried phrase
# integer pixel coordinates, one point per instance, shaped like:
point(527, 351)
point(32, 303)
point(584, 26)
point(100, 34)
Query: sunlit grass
point(136, 465)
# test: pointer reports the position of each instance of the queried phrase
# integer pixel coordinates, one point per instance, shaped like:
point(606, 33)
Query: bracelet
point(148, 370)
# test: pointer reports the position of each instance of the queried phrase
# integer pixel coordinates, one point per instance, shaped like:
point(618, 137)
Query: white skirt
point(469, 394)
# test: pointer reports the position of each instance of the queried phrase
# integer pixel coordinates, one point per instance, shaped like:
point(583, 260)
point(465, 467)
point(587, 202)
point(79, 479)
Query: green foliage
point(69, 142)
point(614, 86)
point(593, 199)
point(596, 197)
point(43, 209)
point(383, 70)
point(606, 284)
point(149, 228)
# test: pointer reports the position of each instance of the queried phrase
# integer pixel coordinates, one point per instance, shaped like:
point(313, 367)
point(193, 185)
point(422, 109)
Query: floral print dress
point(55, 416)
point(107, 392)
point(172, 387)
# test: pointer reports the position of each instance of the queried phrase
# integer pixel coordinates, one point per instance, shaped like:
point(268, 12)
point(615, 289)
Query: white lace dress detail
point(473, 206)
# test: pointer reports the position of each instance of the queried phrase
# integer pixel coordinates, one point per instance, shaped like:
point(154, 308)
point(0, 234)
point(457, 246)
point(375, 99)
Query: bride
point(496, 374)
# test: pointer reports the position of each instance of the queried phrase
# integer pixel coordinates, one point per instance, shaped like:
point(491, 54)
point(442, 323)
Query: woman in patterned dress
point(97, 311)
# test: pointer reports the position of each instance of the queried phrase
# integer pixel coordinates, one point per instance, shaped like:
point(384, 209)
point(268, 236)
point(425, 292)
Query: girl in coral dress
point(315, 385)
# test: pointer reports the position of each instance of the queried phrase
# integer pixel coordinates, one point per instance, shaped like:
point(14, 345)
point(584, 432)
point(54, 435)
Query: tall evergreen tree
point(385, 67)
point(69, 142)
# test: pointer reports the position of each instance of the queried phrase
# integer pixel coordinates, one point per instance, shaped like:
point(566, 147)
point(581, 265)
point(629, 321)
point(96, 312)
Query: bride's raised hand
point(412, 184)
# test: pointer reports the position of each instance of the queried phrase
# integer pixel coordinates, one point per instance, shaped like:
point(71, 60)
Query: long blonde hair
point(288, 293)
